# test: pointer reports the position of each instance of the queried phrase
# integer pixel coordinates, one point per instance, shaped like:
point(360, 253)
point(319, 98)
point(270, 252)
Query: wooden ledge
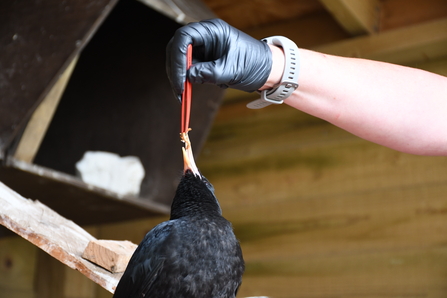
point(59, 237)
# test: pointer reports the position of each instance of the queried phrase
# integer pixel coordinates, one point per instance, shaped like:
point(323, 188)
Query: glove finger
point(173, 75)
point(176, 64)
point(176, 49)
point(208, 72)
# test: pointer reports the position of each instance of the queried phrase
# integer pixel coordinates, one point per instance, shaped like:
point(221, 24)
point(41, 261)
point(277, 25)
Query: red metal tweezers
point(186, 95)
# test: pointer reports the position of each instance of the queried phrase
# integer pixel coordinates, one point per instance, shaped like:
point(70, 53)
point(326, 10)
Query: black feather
point(194, 254)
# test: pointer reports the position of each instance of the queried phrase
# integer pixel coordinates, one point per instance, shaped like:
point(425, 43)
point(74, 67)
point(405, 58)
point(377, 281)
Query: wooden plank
point(389, 241)
point(40, 120)
point(54, 279)
point(57, 236)
point(326, 159)
point(18, 267)
point(110, 254)
point(307, 31)
point(404, 46)
point(182, 12)
point(322, 211)
point(77, 285)
point(357, 17)
point(250, 14)
point(331, 162)
point(69, 196)
point(38, 41)
point(50, 276)
point(402, 13)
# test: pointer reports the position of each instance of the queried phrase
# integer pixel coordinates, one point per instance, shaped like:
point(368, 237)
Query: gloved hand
point(222, 55)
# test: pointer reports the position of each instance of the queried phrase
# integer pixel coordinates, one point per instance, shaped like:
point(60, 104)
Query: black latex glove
point(222, 55)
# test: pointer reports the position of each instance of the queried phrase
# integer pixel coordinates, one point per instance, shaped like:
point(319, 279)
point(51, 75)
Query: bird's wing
point(145, 264)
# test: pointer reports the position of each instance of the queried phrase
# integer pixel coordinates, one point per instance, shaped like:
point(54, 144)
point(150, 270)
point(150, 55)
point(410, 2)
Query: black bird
point(194, 254)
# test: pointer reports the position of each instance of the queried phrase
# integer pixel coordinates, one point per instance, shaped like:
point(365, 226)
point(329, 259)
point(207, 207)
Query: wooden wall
point(322, 213)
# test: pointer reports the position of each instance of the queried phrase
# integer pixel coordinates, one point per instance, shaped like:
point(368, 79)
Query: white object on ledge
point(122, 175)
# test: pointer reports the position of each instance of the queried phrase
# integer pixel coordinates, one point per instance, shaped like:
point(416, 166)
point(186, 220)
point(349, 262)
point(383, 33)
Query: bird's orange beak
point(188, 157)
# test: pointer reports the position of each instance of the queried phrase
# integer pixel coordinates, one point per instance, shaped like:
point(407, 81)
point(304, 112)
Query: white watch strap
point(289, 80)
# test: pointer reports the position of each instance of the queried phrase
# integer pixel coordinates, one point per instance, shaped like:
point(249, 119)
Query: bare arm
point(395, 106)
point(398, 107)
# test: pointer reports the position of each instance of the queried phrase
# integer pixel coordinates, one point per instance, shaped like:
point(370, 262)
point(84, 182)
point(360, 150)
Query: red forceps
point(188, 156)
point(186, 96)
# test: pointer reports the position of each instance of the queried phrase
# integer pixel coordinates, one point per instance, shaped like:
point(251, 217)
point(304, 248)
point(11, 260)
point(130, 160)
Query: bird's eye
point(209, 185)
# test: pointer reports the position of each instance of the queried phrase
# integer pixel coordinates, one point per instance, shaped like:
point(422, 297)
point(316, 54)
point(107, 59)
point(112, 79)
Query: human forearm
point(398, 107)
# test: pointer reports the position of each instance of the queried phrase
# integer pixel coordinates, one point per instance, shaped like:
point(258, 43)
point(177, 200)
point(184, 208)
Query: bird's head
point(195, 194)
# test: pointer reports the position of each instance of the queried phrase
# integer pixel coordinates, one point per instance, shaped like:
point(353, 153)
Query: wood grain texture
point(405, 46)
point(181, 11)
point(265, 15)
point(57, 236)
point(402, 13)
point(40, 120)
point(50, 276)
point(322, 213)
point(17, 268)
point(324, 30)
point(249, 14)
point(38, 40)
point(357, 17)
point(68, 195)
point(111, 255)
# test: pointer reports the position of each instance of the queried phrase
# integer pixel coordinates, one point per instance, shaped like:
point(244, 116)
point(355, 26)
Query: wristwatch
point(289, 80)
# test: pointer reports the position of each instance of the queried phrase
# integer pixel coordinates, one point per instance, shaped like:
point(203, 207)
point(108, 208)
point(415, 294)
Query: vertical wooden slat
point(357, 17)
point(50, 277)
point(17, 268)
point(40, 120)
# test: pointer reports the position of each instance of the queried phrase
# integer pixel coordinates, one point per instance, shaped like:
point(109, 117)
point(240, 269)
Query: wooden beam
point(307, 31)
point(251, 14)
point(406, 46)
point(40, 120)
point(180, 11)
point(57, 236)
point(401, 13)
point(357, 17)
point(67, 195)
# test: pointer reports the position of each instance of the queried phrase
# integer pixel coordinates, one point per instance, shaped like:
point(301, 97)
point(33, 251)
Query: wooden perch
point(109, 254)
point(59, 237)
